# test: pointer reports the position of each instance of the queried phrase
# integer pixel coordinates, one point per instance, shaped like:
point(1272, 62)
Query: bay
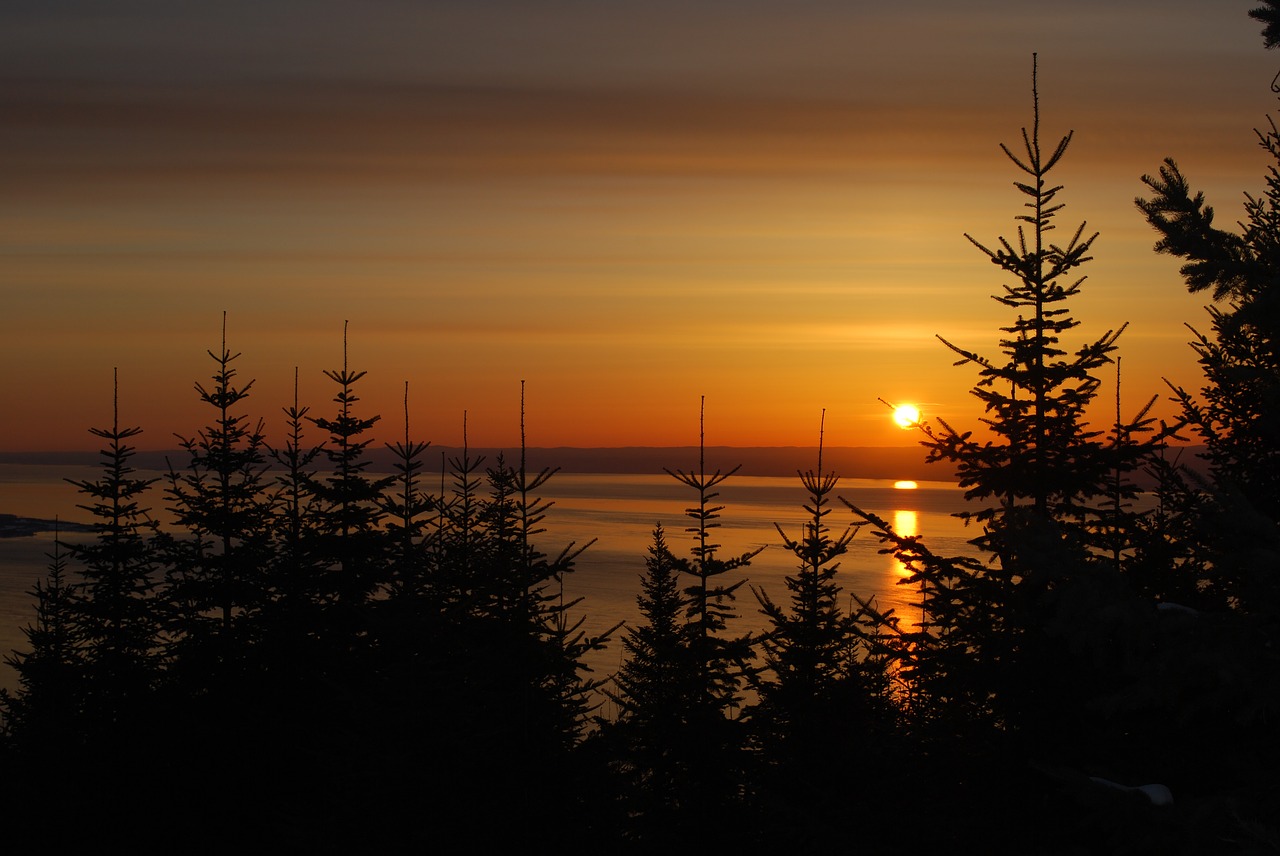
point(611, 515)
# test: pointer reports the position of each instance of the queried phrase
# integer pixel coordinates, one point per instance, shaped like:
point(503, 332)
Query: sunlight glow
point(906, 415)
point(906, 524)
point(905, 484)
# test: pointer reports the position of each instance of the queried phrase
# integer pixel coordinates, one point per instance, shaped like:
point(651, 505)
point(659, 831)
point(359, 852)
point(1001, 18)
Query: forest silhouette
point(314, 656)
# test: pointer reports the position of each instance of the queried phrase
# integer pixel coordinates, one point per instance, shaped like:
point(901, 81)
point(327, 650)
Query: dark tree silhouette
point(653, 680)
point(297, 573)
point(407, 509)
point(1045, 463)
point(654, 691)
point(1032, 650)
point(824, 703)
point(1268, 14)
point(350, 513)
point(115, 613)
point(721, 659)
point(1225, 528)
point(43, 715)
point(1236, 414)
point(719, 662)
point(216, 584)
point(1045, 485)
point(811, 653)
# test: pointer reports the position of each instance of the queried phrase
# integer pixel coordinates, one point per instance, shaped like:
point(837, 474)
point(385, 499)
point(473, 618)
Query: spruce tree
point(1268, 14)
point(407, 508)
point(713, 745)
point(291, 651)
point(721, 659)
point(43, 715)
point(216, 582)
point(557, 697)
point(115, 612)
point(544, 598)
point(1225, 525)
point(653, 683)
point(350, 510)
point(458, 538)
point(653, 691)
point(296, 573)
point(1236, 414)
point(1044, 465)
point(348, 545)
point(508, 698)
point(811, 651)
point(823, 704)
point(1019, 648)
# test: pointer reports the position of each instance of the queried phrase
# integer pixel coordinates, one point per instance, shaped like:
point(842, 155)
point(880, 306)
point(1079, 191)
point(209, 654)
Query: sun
point(906, 415)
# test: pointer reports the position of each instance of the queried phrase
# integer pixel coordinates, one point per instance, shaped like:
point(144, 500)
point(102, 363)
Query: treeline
point(317, 658)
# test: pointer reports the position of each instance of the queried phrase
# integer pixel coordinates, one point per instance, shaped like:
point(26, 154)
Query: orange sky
point(626, 205)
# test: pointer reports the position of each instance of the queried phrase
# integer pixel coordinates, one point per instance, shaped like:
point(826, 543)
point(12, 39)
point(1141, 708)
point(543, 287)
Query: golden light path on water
point(907, 524)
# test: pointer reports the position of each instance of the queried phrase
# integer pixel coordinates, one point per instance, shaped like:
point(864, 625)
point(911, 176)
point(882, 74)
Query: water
point(616, 513)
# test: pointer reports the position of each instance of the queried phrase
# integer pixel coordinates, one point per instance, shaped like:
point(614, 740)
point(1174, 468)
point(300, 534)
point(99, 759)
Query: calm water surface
point(617, 513)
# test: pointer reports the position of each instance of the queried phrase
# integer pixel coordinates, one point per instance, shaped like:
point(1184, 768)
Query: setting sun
point(906, 415)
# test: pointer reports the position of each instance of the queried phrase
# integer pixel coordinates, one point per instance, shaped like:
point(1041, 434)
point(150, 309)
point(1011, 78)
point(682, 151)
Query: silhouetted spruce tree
point(42, 716)
point(1227, 526)
point(216, 578)
point(721, 659)
point(347, 543)
point(1120, 528)
point(407, 509)
point(1236, 414)
point(349, 512)
point(297, 574)
point(1023, 646)
point(115, 614)
point(653, 684)
point(823, 703)
point(715, 784)
point(809, 650)
point(1045, 465)
point(1269, 15)
point(507, 700)
point(295, 648)
point(654, 690)
point(555, 697)
point(502, 588)
point(458, 539)
point(544, 600)
point(456, 712)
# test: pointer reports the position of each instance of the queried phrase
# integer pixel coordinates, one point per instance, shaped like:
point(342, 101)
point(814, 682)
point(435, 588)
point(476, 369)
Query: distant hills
point(872, 462)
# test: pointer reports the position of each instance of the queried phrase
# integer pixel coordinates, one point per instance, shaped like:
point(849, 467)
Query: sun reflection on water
point(905, 523)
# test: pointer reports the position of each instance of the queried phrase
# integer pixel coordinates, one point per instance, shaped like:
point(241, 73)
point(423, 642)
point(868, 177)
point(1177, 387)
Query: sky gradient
point(626, 205)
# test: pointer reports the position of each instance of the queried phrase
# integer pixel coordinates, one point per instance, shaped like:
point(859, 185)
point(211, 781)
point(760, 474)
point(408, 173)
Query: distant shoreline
point(896, 462)
point(873, 462)
point(14, 526)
